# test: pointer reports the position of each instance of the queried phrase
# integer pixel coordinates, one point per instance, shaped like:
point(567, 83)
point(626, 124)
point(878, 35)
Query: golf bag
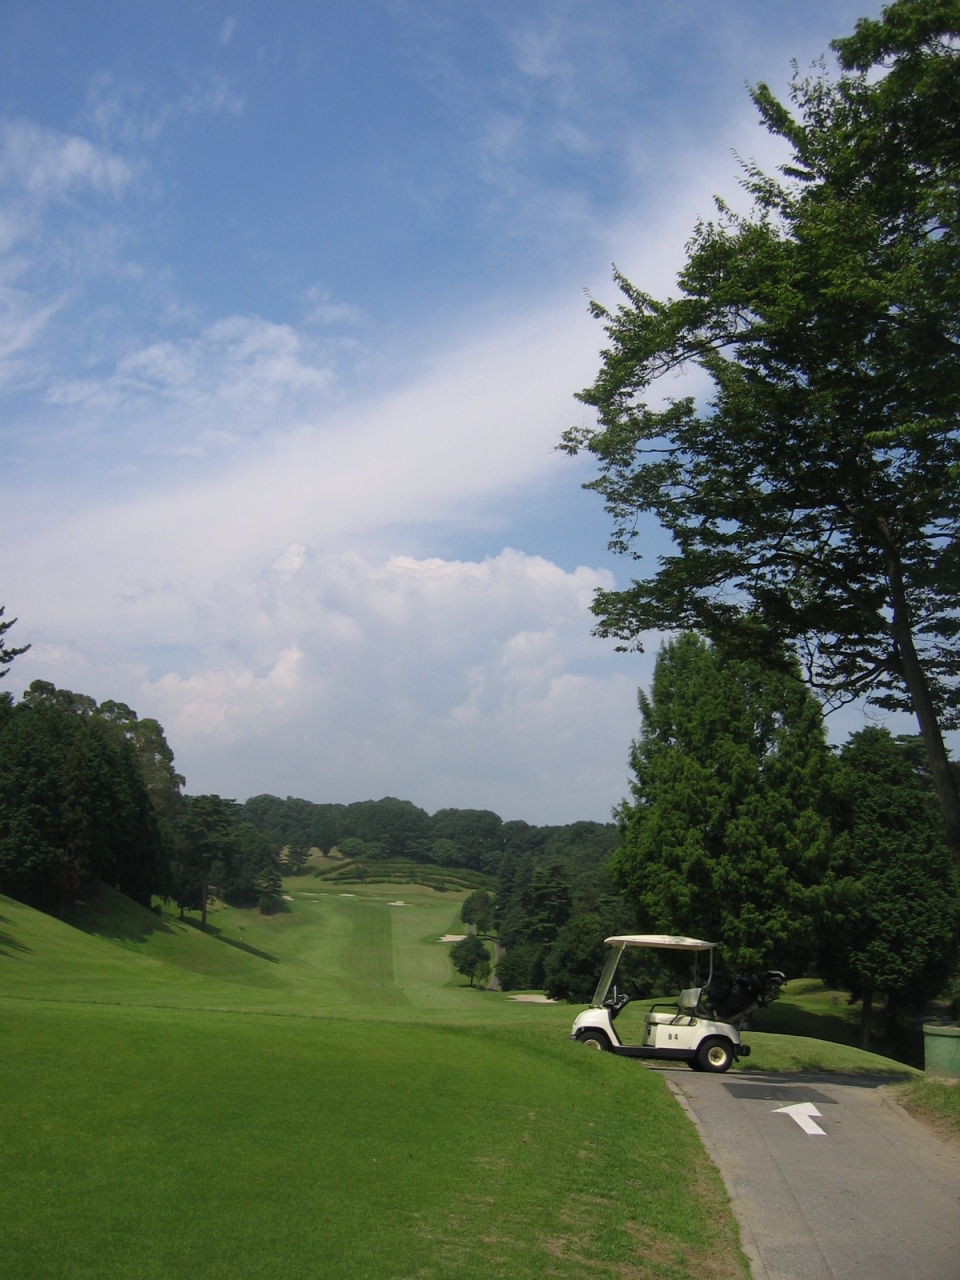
point(731, 999)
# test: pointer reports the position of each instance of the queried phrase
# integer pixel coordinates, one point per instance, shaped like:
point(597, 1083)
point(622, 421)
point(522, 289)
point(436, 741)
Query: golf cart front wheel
point(715, 1054)
point(596, 1040)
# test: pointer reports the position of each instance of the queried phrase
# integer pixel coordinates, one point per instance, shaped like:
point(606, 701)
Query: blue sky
point(292, 310)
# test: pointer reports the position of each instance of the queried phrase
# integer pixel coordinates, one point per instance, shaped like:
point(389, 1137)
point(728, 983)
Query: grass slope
point(769, 1052)
point(318, 1094)
point(811, 1009)
point(936, 1101)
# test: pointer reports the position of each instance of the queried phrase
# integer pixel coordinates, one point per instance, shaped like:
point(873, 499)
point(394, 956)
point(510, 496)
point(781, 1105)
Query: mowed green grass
point(771, 1052)
point(937, 1101)
point(319, 1094)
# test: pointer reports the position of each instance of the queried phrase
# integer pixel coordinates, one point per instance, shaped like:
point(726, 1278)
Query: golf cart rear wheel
point(596, 1040)
point(715, 1054)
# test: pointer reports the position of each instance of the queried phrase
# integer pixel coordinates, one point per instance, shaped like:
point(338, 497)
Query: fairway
point(319, 1094)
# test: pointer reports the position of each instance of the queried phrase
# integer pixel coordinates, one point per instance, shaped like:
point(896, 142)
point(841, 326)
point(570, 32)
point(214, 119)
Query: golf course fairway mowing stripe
point(369, 954)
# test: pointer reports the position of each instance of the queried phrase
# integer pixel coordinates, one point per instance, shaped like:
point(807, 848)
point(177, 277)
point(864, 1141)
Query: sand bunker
point(453, 937)
point(398, 903)
point(532, 999)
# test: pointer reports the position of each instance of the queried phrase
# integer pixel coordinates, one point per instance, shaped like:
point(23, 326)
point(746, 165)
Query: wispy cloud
point(130, 114)
point(323, 309)
point(21, 321)
point(47, 165)
point(240, 380)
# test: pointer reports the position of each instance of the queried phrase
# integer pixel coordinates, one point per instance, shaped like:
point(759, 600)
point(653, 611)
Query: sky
point(293, 308)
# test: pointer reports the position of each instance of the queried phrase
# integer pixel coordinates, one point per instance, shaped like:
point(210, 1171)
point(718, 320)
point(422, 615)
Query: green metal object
point(941, 1051)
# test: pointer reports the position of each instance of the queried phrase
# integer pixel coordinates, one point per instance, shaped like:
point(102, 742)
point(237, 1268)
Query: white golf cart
point(701, 1029)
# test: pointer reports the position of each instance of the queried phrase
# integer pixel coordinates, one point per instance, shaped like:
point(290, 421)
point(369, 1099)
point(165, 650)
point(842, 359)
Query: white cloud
point(339, 677)
point(484, 419)
point(264, 615)
point(22, 319)
point(45, 164)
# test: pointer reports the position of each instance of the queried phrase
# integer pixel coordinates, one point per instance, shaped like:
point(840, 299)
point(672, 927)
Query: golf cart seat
point(686, 1007)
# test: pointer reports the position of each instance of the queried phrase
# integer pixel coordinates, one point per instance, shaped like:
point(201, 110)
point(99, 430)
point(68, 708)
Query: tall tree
point(813, 501)
point(894, 929)
point(7, 655)
point(253, 864)
point(153, 754)
point(576, 960)
point(205, 837)
point(298, 855)
point(728, 835)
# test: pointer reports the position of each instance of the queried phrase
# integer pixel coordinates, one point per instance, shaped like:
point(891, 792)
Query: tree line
point(89, 792)
point(379, 830)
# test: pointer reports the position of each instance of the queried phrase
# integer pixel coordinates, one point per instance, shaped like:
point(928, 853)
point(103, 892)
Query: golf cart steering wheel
point(616, 1004)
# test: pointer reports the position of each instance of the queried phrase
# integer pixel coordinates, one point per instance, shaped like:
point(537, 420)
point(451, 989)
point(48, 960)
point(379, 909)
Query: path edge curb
point(747, 1241)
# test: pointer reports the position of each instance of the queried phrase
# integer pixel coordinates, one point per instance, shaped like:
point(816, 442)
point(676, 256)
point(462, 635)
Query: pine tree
point(728, 834)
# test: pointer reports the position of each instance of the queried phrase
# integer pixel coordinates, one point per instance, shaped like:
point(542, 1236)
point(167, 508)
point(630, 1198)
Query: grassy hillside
point(810, 1008)
point(318, 1093)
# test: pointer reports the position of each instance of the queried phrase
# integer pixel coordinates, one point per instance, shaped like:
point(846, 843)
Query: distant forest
point(539, 882)
point(389, 829)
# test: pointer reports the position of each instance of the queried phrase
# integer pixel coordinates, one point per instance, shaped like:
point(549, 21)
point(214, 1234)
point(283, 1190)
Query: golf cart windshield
point(657, 942)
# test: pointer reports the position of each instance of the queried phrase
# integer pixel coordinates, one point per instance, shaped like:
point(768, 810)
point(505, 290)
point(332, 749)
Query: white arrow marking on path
point(801, 1112)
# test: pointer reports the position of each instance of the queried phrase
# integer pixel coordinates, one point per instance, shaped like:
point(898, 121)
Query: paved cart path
point(844, 1186)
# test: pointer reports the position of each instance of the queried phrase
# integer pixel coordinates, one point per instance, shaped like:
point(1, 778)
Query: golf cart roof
point(663, 941)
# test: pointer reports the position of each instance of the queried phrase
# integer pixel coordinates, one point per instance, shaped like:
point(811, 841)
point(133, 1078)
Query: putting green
point(319, 1094)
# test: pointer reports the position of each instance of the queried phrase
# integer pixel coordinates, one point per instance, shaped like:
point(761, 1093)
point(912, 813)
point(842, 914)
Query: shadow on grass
point(840, 1027)
point(107, 913)
point(787, 1019)
point(9, 946)
point(219, 936)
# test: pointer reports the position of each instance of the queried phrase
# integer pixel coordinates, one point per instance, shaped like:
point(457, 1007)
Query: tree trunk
point(916, 682)
point(890, 1013)
point(203, 902)
point(866, 1015)
point(64, 879)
